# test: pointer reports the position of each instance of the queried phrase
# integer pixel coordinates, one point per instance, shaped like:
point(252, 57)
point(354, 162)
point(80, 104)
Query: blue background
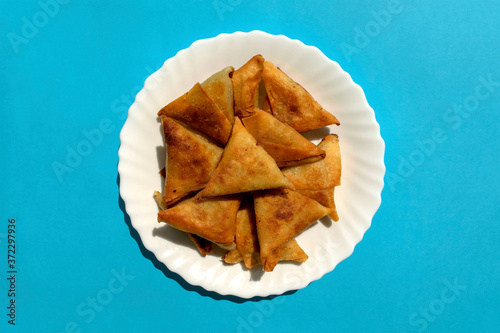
point(430, 261)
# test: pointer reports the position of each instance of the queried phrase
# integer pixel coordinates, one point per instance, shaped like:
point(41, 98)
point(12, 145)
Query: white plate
point(362, 150)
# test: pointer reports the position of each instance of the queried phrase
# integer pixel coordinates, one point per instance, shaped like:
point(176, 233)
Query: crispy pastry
point(191, 160)
point(227, 139)
point(291, 103)
point(198, 110)
point(281, 216)
point(204, 246)
point(220, 88)
point(282, 142)
point(212, 219)
point(245, 166)
point(246, 80)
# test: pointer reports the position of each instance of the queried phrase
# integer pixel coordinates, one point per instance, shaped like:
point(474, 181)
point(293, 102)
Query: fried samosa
point(220, 88)
point(204, 246)
point(211, 219)
point(282, 142)
point(191, 160)
point(246, 80)
point(198, 110)
point(245, 166)
point(281, 216)
point(291, 103)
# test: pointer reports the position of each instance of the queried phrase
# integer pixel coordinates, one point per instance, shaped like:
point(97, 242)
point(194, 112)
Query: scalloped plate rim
point(141, 228)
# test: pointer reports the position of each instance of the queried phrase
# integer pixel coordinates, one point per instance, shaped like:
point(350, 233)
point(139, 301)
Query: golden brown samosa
point(191, 160)
point(282, 142)
point(198, 110)
point(220, 88)
point(212, 218)
point(204, 246)
point(281, 216)
point(246, 80)
point(292, 104)
point(245, 166)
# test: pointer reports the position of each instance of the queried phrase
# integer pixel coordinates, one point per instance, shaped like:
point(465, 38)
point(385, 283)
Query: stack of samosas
point(239, 173)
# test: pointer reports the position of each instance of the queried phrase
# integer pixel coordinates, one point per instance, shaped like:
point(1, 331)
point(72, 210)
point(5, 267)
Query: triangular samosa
point(282, 142)
point(220, 88)
point(191, 160)
point(291, 103)
point(245, 166)
point(198, 110)
point(319, 175)
point(281, 216)
point(246, 80)
point(212, 219)
point(204, 246)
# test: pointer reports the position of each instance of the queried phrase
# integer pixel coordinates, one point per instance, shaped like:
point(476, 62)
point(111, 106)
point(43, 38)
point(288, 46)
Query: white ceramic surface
point(326, 243)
